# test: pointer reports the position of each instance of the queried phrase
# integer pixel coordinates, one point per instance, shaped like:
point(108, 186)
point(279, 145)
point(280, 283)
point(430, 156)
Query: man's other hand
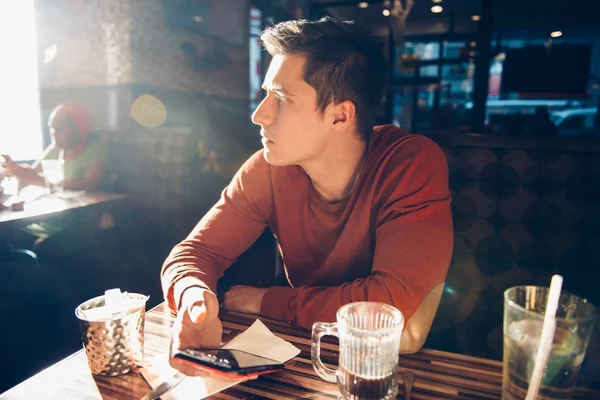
point(244, 298)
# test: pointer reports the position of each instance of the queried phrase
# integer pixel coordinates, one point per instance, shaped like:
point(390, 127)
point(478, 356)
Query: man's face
point(292, 128)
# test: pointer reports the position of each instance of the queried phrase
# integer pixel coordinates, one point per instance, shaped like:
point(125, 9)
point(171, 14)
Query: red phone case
point(223, 373)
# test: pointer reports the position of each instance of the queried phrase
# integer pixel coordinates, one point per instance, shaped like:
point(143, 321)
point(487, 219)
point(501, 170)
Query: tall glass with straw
point(54, 172)
point(546, 333)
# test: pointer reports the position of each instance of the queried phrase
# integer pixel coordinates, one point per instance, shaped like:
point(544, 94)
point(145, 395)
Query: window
point(414, 53)
point(20, 130)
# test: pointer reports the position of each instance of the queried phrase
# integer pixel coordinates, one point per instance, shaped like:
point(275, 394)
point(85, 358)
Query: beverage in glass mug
point(354, 386)
point(369, 335)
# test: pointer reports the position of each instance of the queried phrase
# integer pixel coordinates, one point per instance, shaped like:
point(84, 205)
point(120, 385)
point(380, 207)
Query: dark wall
point(523, 210)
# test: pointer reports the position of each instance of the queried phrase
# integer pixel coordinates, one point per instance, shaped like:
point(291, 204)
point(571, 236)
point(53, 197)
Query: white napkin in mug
point(257, 339)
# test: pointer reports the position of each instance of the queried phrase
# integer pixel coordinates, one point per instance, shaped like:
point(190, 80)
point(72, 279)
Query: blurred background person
point(85, 168)
point(85, 160)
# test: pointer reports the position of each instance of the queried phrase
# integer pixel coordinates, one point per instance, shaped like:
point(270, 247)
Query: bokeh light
point(148, 111)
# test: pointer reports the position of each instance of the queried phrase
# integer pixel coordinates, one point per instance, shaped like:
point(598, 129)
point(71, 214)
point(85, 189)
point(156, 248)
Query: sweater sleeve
point(222, 235)
point(413, 244)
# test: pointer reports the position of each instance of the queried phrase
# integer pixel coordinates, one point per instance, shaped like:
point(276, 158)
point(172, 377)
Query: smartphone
point(229, 363)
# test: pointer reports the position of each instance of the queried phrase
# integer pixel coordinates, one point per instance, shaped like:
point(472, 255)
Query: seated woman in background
point(85, 168)
point(85, 161)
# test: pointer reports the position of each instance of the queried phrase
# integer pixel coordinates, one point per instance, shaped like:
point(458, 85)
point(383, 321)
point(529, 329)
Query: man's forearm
point(419, 324)
point(411, 343)
point(201, 296)
point(174, 291)
point(244, 298)
point(321, 304)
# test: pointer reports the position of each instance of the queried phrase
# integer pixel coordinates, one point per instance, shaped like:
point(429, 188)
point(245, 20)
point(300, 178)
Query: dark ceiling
point(530, 15)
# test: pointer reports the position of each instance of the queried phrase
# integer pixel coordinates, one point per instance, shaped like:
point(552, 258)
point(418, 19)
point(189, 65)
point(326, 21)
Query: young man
point(360, 213)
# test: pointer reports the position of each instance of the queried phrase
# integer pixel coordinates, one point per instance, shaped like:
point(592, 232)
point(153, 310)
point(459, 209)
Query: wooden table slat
point(53, 204)
point(439, 375)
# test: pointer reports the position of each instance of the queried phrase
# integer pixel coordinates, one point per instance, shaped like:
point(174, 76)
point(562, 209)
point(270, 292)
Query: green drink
point(560, 372)
point(523, 321)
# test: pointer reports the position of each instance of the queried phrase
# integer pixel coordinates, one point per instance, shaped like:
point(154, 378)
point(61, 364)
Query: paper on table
point(190, 388)
point(257, 339)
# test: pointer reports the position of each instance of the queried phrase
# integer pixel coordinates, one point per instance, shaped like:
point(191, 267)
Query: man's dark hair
point(343, 62)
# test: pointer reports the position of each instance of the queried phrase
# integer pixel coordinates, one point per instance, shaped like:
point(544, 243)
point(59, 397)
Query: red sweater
point(390, 241)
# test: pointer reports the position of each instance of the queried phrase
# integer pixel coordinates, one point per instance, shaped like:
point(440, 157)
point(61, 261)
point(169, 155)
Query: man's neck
point(335, 173)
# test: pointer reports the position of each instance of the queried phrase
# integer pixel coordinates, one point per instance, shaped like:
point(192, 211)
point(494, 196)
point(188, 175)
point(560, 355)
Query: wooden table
point(54, 204)
point(439, 375)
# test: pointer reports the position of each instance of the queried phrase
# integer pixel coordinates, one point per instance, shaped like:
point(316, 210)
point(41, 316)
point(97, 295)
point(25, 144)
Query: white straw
point(546, 339)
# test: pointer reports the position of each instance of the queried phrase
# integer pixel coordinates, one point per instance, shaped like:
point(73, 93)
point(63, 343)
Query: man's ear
point(344, 114)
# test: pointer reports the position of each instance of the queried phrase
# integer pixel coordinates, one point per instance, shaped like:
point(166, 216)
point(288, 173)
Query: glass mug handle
point(319, 330)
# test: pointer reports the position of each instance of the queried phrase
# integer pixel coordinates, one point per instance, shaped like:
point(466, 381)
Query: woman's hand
point(11, 166)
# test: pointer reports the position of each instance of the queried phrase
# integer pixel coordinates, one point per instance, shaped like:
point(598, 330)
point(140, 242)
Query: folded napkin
point(257, 339)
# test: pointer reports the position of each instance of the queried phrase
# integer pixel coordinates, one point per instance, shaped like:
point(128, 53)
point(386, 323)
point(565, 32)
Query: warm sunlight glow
point(21, 134)
point(148, 111)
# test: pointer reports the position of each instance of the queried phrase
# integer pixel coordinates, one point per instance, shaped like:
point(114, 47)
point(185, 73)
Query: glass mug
point(54, 174)
point(369, 335)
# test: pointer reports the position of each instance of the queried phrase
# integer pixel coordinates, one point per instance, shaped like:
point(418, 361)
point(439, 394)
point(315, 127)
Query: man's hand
point(244, 298)
point(197, 326)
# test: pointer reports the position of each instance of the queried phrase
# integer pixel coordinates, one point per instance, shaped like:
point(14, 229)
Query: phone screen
point(233, 361)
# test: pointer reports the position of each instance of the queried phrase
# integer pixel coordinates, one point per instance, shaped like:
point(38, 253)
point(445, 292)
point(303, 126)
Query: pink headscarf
point(80, 116)
point(77, 113)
